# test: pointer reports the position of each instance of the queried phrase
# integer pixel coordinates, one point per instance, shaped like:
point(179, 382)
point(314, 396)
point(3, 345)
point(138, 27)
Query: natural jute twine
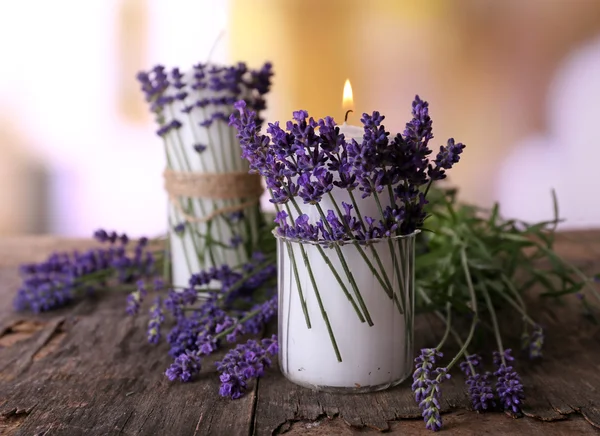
point(213, 186)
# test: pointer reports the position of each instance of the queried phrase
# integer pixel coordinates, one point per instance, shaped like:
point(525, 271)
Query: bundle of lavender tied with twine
point(214, 213)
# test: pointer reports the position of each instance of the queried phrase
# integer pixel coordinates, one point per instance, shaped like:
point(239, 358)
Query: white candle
point(220, 156)
point(349, 131)
point(352, 132)
point(373, 357)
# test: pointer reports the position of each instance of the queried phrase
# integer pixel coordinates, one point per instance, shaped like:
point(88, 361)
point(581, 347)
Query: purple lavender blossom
point(63, 277)
point(179, 229)
point(480, 387)
point(271, 345)
point(199, 148)
point(134, 299)
point(196, 330)
point(266, 312)
point(426, 387)
point(508, 385)
point(185, 367)
point(176, 301)
point(243, 363)
point(423, 365)
point(156, 319)
point(536, 342)
point(430, 405)
point(231, 83)
point(445, 159)
point(236, 241)
point(236, 216)
point(309, 159)
point(206, 344)
point(165, 129)
point(419, 129)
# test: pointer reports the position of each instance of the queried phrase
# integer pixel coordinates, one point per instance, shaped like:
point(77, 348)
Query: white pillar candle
point(222, 155)
point(373, 357)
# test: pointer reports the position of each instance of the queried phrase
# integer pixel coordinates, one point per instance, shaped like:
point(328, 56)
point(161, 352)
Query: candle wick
point(347, 112)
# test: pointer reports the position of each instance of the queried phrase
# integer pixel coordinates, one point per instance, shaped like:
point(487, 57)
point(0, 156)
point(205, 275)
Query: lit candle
point(307, 357)
point(349, 131)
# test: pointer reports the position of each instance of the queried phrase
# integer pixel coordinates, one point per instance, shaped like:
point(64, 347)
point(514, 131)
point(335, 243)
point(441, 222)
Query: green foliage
point(505, 258)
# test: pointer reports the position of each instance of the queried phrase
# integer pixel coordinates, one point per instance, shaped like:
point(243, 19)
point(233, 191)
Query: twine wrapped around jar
point(214, 186)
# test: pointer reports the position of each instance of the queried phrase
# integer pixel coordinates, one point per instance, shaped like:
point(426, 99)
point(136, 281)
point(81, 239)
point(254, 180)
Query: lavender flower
point(266, 312)
point(199, 148)
point(480, 388)
point(310, 158)
point(231, 83)
point(445, 159)
point(245, 362)
point(62, 277)
point(423, 365)
point(508, 386)
point(134, 300)
point(206, 344)
point(200, 328)
point(426, 387)
point(185, 367)
point(236, 241)
point(236, 216)
point(430, 405)
point(536, 342)
point(156, 319)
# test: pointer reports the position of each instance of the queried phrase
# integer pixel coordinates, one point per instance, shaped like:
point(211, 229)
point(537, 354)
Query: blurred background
point(518, 81)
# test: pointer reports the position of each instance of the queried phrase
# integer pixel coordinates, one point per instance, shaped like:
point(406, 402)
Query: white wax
point(352, 132)
point(371, 356)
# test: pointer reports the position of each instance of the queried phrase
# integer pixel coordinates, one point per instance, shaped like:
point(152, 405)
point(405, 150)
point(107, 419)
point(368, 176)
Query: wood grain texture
point(87, 369)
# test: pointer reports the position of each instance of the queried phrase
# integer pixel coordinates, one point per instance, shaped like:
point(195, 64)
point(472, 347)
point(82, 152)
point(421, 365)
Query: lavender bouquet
point(214, 214)
point(347, 215)
point(477, 256)
point(67, 277)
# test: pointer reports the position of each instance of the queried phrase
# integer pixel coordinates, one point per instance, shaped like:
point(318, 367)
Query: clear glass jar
point(346, 313)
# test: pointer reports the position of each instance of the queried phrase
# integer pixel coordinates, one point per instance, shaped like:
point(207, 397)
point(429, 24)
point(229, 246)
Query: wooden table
point(88, 370)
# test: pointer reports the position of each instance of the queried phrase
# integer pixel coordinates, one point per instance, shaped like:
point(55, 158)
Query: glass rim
point(324, 242)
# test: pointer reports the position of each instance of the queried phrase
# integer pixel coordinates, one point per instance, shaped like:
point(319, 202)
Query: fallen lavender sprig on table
point(63, 277)
point(479, 384)
point(243, 363)
point(206, 318)
point(508, 386)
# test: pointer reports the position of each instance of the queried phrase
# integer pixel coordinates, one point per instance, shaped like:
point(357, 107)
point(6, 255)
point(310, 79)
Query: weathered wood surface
point(87, 369)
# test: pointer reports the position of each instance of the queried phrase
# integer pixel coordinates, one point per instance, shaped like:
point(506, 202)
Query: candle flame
point(347, 100)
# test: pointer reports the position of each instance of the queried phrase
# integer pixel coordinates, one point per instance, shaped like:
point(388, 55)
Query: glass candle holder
point(346, 312)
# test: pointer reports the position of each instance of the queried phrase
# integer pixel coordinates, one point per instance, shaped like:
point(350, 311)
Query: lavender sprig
point(243, 304)
point(185, 367)
point(423, 367)
point(536, 342)
point(508, 386)
point(245, 362)
point(228, 84)
point(479, 384)
point(156, 319)
point(426, 387)
point(309, 159)
point(430, 405)
point(62, 277)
